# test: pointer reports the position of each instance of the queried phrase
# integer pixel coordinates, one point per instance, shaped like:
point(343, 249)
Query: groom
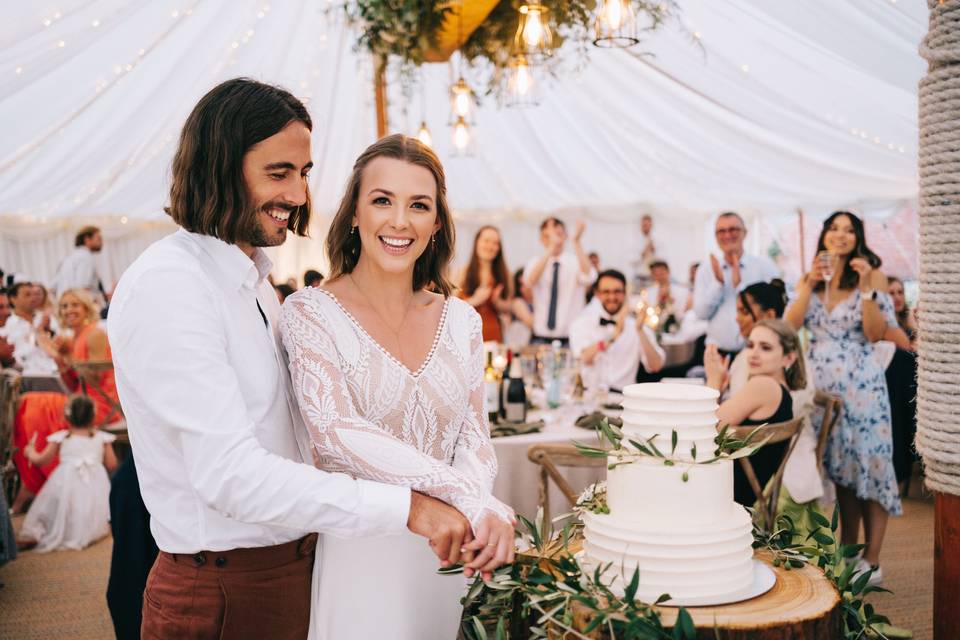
point(206, 393)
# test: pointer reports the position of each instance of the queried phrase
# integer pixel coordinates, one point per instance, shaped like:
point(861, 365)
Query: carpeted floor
point(61, 594)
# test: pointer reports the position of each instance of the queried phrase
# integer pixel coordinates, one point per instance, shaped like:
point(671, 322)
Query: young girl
point(775, 368)
point(72, 509)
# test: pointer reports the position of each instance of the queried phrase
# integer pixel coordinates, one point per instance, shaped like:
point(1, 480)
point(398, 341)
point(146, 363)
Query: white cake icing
point(688, 538)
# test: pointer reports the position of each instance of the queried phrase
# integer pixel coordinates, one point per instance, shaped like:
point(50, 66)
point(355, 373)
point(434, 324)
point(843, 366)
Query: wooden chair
point(9, 398)
point(89, 373)
point(832, 409)
point(768, 496)
point(550, 457)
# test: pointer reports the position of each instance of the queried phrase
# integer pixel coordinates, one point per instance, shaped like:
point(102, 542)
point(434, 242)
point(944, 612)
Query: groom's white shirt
point(206, 394)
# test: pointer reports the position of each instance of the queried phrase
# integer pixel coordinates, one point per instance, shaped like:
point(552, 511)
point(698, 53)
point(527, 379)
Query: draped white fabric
point(763, 107)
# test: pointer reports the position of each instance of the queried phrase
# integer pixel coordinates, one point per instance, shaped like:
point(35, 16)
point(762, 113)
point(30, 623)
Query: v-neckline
point(838, 304)
point(436, 336)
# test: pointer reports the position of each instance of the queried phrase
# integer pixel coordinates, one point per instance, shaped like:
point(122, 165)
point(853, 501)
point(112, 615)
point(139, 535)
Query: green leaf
point(479, 632)
point(631, 589)
point(818, 517)
point(501, 633)
point(673, 441)
point(685, 622)
point(667, 462)
point(686, 476)
point(693, 451)
point(835, 521)
point(596, 622)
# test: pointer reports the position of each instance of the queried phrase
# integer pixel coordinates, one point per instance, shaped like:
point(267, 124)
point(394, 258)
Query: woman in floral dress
point(846, 313)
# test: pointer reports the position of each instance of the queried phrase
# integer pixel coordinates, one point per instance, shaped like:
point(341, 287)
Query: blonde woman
point(41, 413)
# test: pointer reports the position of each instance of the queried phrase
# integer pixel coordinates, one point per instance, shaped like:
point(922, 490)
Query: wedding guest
point(207, 398)
point(755, 303)
point(23, 329)
point(559, 280)
point(905, 320)
point(312, 278)
point(775, 369)
point(846, 316)
point(611, 342)
point(40, 413)
point(663, 293)
point(6, 347)
point(485, 282)
point(649, 246)
point(71, 511)
point(594, 258)
point(134, 552)
point(79, 269)
point(520, 329)
point(283, 290)
point(716, 287)
point(388, 378)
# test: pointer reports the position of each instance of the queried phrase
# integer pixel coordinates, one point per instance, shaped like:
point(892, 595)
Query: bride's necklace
point(396, 332)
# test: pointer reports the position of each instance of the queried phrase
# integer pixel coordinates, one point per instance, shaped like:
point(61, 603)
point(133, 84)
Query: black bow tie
point(606, 321)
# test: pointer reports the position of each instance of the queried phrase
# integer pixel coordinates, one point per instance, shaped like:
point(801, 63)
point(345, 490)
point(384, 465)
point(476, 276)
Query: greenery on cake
point(592, 500)
point(523, 600)
point(626, 450)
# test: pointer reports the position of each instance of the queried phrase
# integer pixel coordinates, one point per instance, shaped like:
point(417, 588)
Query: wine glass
point(825, 262)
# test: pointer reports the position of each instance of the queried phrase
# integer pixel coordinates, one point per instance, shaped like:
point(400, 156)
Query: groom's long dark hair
point(208, 194)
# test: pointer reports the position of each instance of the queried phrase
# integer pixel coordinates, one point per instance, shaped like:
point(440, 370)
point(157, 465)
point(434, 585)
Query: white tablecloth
point(518, 479)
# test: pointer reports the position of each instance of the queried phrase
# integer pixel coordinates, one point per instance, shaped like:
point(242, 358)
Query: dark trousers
point(564, 342)
point(134, 552)
point(237, 594)
point(765, 463)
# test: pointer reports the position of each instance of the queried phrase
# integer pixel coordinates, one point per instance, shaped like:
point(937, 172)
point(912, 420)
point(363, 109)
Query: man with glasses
point(716, 287)
point(610, 336)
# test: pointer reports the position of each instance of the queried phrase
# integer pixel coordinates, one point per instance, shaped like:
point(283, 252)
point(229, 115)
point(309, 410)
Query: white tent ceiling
point(753, 105)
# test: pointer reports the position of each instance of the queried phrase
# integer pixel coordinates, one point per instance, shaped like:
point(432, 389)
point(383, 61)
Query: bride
point(388, 376)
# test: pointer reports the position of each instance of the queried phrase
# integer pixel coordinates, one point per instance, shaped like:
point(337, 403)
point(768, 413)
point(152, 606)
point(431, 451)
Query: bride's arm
point(345, 441)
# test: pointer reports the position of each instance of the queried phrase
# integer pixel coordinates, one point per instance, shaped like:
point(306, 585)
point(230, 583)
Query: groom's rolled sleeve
point(186, 414)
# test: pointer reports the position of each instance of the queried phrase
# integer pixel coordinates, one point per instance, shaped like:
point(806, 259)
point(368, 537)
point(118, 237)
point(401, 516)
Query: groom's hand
point(493, 545)
point(445, 527)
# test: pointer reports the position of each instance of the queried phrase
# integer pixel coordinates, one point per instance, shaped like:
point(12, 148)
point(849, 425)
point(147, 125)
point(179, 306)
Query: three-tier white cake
point(677, 523)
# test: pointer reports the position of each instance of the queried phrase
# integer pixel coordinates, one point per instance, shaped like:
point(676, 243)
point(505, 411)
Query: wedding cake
point(673, 519)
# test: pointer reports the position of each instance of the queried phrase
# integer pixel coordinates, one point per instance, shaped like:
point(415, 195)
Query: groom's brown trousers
point(242, 593)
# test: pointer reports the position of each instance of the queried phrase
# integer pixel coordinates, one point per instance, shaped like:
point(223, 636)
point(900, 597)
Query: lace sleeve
point(344, 440)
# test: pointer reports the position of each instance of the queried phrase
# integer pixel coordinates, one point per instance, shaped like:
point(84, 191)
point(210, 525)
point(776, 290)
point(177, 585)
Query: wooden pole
point(380, 94)
point(946, 567)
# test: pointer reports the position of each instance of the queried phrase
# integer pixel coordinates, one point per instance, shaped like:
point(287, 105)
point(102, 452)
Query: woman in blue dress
point(843, 301)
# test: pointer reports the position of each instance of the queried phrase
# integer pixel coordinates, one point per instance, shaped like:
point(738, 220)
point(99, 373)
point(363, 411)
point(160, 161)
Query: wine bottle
point(491, 390)
point(515, 397)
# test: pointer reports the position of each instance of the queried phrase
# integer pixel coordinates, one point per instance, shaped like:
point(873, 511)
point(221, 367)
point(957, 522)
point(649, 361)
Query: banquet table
point(518, 479)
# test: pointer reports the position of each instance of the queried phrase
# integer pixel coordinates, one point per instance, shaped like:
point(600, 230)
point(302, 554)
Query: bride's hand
point(493, 542)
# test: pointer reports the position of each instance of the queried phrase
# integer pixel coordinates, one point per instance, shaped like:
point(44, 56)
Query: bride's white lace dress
point(369, 416)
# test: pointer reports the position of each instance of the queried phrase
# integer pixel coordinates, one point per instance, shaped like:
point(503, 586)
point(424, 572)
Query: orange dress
point(492, 331)
point(41, 412)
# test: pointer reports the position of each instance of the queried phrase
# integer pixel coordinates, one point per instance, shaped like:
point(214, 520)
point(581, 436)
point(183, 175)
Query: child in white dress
point(72, 509)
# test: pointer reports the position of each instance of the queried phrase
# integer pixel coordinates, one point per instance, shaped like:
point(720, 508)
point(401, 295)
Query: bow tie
point(606, 321)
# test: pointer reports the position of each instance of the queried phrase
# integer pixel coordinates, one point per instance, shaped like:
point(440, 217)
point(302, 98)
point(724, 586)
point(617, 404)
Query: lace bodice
point(369, 416)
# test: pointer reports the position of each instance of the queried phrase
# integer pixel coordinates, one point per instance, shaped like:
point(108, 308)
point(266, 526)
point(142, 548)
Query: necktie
point(554, 285)
point(606, 321)
point(262, 315)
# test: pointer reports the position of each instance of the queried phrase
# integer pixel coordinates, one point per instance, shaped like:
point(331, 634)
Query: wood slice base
point(802, 605)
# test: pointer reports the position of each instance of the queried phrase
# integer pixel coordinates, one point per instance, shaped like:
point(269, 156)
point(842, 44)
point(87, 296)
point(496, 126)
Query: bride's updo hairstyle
point(343, 247)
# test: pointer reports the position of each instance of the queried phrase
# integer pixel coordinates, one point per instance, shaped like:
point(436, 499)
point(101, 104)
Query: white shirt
point(649, 246)
point(622, 359)
point(717, 302)
point(78, 271)
point(571, 294)
point(678, 292)
point(206, 393)
point(29, 356)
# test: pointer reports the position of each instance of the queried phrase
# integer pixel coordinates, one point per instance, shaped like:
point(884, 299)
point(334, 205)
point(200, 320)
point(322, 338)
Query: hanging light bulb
point(616, 24)
point(461, 100)
point(461, 136)
point(520, 83)
point(534, 38)
point(423, 135)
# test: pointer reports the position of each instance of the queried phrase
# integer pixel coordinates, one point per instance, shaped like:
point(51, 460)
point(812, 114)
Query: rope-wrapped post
point(938, 400)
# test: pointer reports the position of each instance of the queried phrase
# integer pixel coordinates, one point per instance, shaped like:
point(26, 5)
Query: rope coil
point(938, 401)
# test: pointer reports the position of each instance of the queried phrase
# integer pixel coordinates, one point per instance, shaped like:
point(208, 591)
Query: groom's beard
point(263, 232)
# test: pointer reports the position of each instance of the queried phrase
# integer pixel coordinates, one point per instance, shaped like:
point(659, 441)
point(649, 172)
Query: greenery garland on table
point(520, 601)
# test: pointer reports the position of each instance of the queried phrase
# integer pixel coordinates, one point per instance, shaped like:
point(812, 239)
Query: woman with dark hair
point(388, 376)
point(760, 301)
point(905, 334)
point(485, 282)
point(843, 301)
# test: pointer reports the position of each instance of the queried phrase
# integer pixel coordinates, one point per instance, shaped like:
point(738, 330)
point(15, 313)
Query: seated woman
point(774, 369)
point(41, 413)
